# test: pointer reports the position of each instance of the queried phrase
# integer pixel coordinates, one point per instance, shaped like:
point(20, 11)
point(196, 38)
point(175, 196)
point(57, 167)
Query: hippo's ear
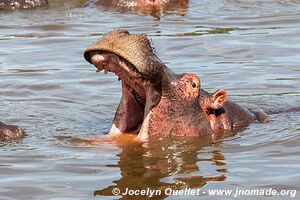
point(218, 99)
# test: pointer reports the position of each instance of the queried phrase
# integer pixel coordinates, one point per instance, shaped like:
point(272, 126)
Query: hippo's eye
point(194, 84)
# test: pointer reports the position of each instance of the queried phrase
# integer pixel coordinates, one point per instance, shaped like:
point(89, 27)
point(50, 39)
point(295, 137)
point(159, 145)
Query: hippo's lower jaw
point(130, 113)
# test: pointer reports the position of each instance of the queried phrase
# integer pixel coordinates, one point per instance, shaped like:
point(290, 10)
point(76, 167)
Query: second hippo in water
point(130, 4)
point(144, 7)
point(155, 100)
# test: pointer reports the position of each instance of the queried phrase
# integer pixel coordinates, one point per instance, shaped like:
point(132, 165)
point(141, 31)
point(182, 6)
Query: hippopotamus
point(158, 102)
point(10, 132)
point(138, 3)
point(22, 4)
point(152, 7)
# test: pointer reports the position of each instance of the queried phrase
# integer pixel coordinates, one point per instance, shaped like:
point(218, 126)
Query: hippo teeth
point(144, 82)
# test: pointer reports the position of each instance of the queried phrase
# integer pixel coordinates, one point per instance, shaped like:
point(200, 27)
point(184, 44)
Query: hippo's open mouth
point(144, 78)
point(130, 113)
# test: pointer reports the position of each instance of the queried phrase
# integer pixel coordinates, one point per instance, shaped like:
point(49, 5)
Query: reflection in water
point(31, 70)
point(151, 164)
point(201, 30)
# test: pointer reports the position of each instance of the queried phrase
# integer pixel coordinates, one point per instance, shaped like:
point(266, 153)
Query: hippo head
point(155, 101)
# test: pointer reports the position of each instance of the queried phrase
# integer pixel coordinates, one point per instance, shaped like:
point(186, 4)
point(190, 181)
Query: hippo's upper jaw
point(154, 101)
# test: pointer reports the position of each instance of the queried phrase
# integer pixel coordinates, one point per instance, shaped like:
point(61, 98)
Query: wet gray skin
point(155, 100)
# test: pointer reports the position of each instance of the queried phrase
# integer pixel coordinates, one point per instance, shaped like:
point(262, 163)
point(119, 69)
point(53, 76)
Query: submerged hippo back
point(22, 4)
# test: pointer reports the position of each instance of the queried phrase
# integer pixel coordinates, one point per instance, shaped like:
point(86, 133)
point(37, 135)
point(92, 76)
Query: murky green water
point(250, 48)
